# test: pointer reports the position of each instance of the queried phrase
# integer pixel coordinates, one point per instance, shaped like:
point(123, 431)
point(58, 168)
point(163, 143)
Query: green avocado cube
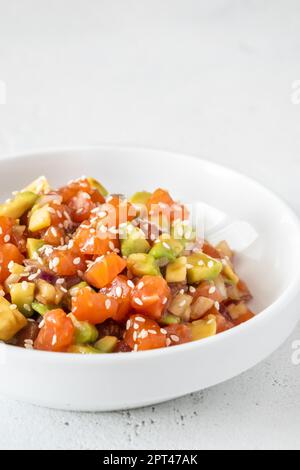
point(169, 319)
point(106, 344)
point(41, 308)
point(22, 295)
point(38, 186)
point(167, 248)
point(16, 207)
point(143, 264)
point(39, 219)
point(73, 291)
point(133, 240)
point(183, 232)
point(98, 186)
point(11, 320)
point(82, 349)
point(33, 246)
point(177, 271)
point(140, 198)
point(202, 268)
point(85, 332)
point(230, 275)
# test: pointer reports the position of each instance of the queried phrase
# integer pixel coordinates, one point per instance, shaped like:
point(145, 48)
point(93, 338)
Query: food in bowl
point(84, 271)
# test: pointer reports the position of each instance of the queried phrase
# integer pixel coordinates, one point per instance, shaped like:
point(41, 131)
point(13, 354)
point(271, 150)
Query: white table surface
point(208, 78)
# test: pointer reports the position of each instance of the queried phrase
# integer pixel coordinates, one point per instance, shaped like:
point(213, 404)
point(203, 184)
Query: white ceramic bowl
point(263, 229)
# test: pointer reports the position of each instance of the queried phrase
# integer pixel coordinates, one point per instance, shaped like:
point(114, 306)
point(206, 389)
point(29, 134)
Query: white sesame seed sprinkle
point(76, 261)
point(6, 238)
point(138, 301)
point(174, 338)
point(140, 319)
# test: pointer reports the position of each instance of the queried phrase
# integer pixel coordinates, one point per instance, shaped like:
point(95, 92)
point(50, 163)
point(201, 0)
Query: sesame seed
point(76, 261)
point(128, 324)
point(13, 307)
point(130, 284)
point(138, 301)
point(174, 338)
point(55, 261)
point(212, 290)
point(136, 326)
point(152, 332)
point(217, 305)
point(166, 246)
point(10, 265)
point(143, 334)
point(1, 231)
point(54, 340)
point(140, 319)
point(107, 304)
point(27, 307)
point(140, 285)
point(53, 231)
point(134, 336)
point(168, 342)
point(60, 280)
point(192, 290)
point(119, 291)
point(165, 300)
point(210, 264)
point(200, 262)
point(6, 238)
point(163, 331)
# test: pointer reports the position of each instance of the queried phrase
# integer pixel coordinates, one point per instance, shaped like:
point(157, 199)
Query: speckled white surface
point(209, 78)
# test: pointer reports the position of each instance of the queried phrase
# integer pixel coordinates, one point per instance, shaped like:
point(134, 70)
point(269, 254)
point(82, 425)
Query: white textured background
point(208, 78)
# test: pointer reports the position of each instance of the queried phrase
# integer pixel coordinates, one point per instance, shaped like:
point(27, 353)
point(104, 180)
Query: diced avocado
point(169, 319)
point(39, 219)
point(183, 232)
point(202, 268)
point(204, 328)
point(41, 308)
point(96, 185)
point(177, 271)
point(84, 331)
point(17, 269)
point(33, 246)
point(22, 295)
point(38, 186)
point(11, 320)
point(106, 344)
point(82, 349)
point(73, 291)
point(48, 294)
point(133, 240)
point(142, 264)
point(16, 207)
point(167, 248)
point(230, 275)
point(140, 198)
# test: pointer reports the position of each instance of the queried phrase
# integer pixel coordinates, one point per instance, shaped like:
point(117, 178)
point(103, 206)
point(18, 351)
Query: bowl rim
point(288, 295)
